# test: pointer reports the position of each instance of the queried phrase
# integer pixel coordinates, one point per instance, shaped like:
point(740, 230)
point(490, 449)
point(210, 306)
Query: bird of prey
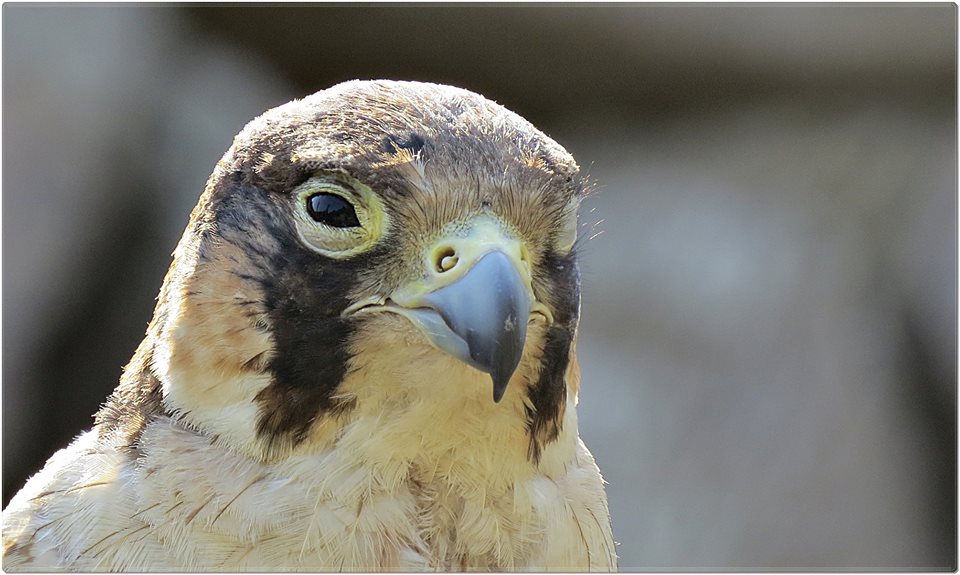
point(362, 358)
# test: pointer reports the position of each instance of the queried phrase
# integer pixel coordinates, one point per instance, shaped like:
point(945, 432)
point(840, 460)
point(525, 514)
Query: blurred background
point(769, 325)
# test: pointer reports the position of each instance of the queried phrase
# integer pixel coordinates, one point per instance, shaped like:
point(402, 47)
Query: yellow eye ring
point(337, 216)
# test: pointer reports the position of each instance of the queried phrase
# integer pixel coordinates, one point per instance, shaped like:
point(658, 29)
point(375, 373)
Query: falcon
point(362, 358)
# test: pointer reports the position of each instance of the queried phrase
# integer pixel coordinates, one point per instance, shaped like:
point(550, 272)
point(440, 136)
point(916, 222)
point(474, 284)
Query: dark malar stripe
point(309, 363)
point(549, 394)
point(303, 294)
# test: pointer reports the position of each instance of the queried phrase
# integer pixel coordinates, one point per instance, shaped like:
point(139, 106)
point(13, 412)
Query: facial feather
point(266, 310)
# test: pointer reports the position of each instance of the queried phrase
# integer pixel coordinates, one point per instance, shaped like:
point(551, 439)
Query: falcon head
point(392, 248)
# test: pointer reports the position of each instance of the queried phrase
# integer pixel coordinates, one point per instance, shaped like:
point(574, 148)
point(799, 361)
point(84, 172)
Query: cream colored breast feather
point(362, 359)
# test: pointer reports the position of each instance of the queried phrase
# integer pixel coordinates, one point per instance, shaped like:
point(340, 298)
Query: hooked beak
point(474, 303)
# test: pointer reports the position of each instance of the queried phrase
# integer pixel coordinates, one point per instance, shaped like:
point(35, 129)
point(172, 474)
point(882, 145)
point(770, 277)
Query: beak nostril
point(448, 263)
point(446, 259)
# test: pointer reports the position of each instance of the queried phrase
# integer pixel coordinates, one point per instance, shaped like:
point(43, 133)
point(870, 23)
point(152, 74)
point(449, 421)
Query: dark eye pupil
point(332, 210)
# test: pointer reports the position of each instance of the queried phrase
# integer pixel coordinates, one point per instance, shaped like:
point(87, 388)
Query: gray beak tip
point(502, 361)
point(499, 388)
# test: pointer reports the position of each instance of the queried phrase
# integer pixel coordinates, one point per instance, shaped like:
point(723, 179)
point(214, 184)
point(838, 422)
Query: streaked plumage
point(275, 418)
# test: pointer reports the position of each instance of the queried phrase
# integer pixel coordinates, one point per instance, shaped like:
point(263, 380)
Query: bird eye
point(337, 215)
point(332, 210)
